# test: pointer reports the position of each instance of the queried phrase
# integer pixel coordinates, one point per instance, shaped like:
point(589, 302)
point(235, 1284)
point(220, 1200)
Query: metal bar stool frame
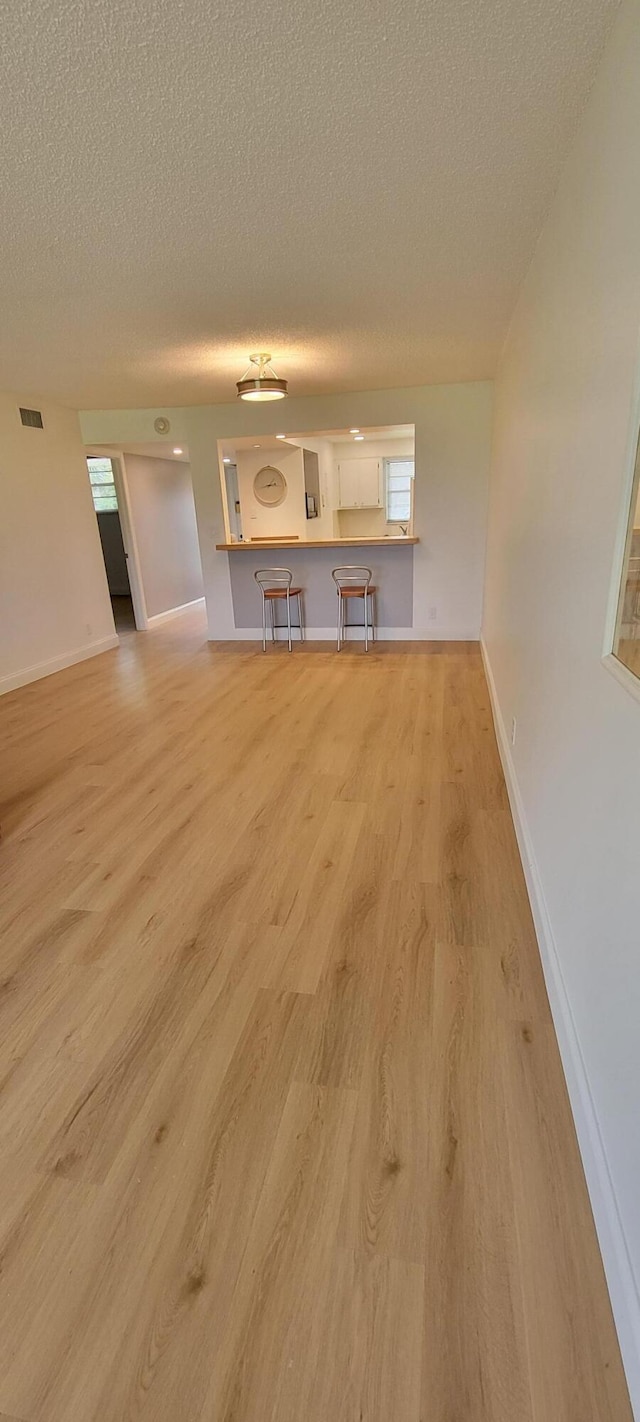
point(355, 582)
point(277, 581)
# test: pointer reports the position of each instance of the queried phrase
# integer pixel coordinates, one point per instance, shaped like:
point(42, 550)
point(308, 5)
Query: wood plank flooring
point(283, 1129)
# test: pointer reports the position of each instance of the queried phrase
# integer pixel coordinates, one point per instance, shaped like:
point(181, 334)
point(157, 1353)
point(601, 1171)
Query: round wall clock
point(270, 486)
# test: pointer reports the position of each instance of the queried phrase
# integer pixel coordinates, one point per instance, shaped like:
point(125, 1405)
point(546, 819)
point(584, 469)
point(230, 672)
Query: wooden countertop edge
point(258, 546)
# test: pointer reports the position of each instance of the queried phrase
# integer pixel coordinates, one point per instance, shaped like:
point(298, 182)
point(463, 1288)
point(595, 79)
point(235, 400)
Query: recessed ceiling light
point(261, 383)
point(281, 436)
point(226, 459)
point(177, 450)
point(256, 446)
point(357, 437)
point(354, 431)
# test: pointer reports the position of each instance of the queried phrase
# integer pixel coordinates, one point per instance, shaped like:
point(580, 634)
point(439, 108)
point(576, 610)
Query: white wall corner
point(56, 664)
point(623, 1289)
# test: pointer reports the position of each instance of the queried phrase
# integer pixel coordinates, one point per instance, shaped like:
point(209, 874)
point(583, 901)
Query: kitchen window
point(398, 483)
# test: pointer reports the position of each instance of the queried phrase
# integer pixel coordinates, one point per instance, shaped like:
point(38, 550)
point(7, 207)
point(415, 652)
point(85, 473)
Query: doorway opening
point(105, 502)
point(322, 485)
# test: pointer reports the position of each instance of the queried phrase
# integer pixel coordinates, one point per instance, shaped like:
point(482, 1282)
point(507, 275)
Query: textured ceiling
point(355, 187)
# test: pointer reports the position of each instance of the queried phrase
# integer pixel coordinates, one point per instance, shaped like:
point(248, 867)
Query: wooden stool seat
point(357, 592)
point(282, 592)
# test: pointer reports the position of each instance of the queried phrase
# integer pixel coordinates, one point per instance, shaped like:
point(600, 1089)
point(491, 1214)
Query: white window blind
point(105, 499)
point(398, 480)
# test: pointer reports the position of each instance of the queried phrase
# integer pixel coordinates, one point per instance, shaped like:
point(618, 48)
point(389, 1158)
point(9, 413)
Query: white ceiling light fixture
point(177, 450)
point(226, 459)
point(357, 437)
point(261, 382)
point(281, 436)
point(354, 431)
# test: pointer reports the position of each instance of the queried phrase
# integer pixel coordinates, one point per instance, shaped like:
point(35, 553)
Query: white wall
point(453, 430)
point(163, 515)
point(452, 445)
point(54, 601)
point(290, 517)
point(287, 518)
point(325, 525)
point(564, 428)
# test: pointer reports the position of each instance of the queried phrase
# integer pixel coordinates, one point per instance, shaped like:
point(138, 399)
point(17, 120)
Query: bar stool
point(351, 582)
point(275, 586)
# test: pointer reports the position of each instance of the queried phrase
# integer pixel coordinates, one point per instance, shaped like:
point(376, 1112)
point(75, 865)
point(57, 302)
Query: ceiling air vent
point(33, 418)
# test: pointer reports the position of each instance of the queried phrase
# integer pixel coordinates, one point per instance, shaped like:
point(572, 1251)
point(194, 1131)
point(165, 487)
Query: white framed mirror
point(626, 641)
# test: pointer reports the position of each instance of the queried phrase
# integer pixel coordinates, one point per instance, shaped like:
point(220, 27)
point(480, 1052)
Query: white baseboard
point(56, 664)
point(174, 612)
point(383, 634)
point(623, 1289)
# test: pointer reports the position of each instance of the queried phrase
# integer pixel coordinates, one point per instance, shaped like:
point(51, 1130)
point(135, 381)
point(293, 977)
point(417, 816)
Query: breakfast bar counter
point(315, 543)
point(311, 563)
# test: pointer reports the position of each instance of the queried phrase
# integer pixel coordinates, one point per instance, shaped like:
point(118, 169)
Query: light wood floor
point(283, 1129)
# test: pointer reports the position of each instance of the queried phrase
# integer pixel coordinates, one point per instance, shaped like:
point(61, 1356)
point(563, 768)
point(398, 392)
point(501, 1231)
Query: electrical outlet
point(433, 614)
point(514, 727)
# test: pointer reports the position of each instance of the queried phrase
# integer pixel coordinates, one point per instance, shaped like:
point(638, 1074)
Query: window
point(105, 499)
point(398, 481)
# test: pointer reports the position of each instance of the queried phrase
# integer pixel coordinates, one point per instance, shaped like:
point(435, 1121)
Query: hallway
point(284, 1135)
point(123, 614)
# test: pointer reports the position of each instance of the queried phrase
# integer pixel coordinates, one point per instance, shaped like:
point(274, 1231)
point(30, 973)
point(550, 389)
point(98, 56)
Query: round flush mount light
point(161, 425)
point(226, 459)
point(177, 449)
point(354, 431)
point(281, 436)
point(260, 381)
point(357, 437)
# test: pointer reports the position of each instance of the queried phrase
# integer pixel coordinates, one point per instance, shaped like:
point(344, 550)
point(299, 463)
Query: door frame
point(118, 464)
point(131, 553)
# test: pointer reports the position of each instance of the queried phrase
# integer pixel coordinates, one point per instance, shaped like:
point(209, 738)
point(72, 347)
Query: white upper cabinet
point(348, 484)
point(360, 483)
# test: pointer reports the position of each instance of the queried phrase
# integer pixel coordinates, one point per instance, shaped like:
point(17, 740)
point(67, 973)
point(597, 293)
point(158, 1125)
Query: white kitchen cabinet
point(360, 483)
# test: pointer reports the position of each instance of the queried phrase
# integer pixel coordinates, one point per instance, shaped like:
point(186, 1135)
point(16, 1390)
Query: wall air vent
point(33, 418)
